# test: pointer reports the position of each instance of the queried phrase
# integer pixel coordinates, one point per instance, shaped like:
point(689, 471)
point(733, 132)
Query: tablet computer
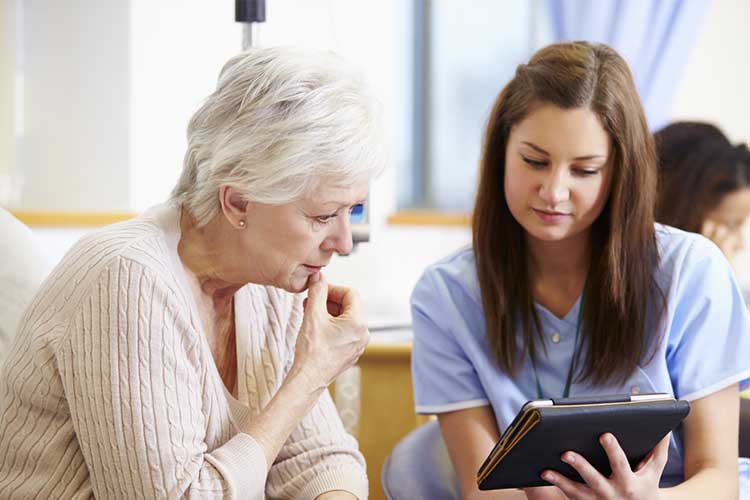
point(544, 429)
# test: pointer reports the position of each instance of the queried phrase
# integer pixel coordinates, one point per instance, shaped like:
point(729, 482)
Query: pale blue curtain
point(654, 36)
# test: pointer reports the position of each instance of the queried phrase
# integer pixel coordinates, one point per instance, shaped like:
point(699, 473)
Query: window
point(464, 53)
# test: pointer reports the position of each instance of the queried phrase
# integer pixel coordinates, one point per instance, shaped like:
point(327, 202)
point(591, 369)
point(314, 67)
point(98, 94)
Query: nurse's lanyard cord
point(566, 391)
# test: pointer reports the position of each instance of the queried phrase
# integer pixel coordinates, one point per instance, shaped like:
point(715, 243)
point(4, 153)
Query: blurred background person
point(704, 185)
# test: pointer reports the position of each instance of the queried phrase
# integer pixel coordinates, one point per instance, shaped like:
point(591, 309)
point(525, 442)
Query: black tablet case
point(537, 438)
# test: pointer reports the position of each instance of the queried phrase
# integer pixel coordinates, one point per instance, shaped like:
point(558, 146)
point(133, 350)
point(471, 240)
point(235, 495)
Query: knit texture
point(110, 389)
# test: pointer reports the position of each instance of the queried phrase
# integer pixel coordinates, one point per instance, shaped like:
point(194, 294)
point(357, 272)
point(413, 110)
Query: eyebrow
point(537, 148)
point(340, 204)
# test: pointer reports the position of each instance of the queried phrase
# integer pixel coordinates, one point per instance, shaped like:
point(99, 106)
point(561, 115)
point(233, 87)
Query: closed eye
point(536, 164)
point(355, 211)
point(586, 171)
point(325, 219)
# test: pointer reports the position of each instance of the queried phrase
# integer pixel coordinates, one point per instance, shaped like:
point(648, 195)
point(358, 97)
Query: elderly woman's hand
point(333, 334)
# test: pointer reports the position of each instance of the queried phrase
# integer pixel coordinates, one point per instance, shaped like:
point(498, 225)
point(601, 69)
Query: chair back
point(419, 467)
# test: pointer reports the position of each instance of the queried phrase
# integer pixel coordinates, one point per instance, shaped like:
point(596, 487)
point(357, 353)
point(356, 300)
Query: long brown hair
point(620, 291)
point(698, 167)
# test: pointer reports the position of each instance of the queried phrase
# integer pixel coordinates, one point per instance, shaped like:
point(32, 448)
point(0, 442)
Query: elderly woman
point(172, 356)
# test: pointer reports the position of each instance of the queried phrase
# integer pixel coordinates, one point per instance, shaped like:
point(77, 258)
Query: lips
point(549, 212)
point(550, 217)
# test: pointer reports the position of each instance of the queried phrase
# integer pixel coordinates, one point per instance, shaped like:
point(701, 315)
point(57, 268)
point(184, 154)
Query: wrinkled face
point(286, 244)
point(557, 173)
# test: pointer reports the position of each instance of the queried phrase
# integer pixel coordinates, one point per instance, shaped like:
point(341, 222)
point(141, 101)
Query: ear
point(234, 206)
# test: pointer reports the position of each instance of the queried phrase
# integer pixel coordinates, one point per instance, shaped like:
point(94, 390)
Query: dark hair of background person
point(698, 166)
point(620, 290)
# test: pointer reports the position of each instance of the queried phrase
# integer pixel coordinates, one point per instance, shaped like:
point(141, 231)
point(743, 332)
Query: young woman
point(570, 289)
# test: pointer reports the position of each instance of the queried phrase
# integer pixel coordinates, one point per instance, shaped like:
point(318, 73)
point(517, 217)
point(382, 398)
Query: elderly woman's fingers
point(314, 278)
point(329, 343)
point(338, 293)
point(317, 292)
point(347, 298)
point(334, 308)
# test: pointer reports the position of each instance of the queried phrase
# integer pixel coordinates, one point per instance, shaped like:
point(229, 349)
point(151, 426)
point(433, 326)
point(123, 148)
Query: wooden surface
point(79, 219)
point(429, 218)
point(387, 406)
point(70, 219)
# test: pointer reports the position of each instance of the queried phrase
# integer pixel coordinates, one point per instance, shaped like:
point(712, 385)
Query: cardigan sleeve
point(319, 455)
point(131, 370)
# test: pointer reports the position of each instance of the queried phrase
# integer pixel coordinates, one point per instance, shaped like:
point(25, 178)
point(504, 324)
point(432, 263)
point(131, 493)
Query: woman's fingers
point(708, 228)
point(618, 461)
point(317, 292)
point(334, 308)
point(722, 236)
point(623, 483)
point(660, 455)
point(336, 298)
point(345, 305)
point(333, 334)
point(339, 294)
point(644, 463)
point(727, 239)
point(572, 489)
point(731, 244)
point(592, 477)
point(348, 300)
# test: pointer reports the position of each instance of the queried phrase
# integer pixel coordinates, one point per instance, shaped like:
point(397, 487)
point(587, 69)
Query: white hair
point(280, 121)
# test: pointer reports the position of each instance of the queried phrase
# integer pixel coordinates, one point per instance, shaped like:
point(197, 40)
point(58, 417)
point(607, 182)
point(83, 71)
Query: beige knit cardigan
point(110, 389)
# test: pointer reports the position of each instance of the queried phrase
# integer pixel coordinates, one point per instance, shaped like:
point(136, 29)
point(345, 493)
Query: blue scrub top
point(705, 344)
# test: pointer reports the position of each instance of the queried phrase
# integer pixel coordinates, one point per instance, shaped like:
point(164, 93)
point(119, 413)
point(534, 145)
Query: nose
point(554, 188)
point(339, 239)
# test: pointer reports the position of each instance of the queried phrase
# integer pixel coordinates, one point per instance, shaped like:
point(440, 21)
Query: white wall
point(72, 149)
point(7, 97)
point(176, 51)
point(716, 83)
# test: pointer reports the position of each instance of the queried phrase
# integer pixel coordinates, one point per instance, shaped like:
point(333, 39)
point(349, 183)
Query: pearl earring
point(242, 224)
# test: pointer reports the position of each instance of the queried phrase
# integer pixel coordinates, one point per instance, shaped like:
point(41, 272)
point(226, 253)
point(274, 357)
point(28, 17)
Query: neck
point(560, 264)
point(199, 252)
